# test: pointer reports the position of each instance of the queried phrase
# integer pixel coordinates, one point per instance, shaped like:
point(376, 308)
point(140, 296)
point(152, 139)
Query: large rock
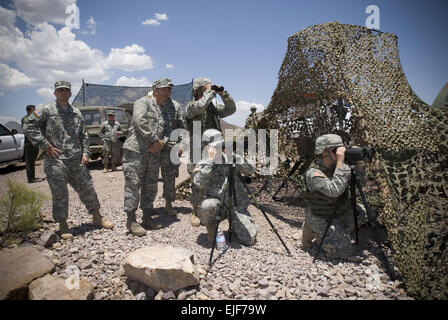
point(56, 288)
point(18, 267)
point(162, 267)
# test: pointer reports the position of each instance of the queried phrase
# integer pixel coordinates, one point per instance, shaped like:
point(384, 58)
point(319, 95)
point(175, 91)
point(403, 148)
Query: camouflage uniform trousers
point(197, 195)
point(337, 242)
point(31, 153)
point(141, 173)
point(62, 172)
point(243, 225)
point(112, 152)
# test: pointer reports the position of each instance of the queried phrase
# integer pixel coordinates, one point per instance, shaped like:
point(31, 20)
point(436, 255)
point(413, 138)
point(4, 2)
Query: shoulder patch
point(318, 173)
point(37, 113)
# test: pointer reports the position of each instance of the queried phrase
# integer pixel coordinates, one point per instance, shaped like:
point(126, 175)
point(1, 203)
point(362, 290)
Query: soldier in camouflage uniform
point(210, 176)
point(30, 152)
point(327, 187)
point(252, 119)
point(109, 132)
point(147, 148)
point(59, 129)
point(203, 110)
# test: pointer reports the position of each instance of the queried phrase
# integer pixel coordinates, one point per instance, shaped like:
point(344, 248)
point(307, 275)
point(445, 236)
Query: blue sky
point(239, 44)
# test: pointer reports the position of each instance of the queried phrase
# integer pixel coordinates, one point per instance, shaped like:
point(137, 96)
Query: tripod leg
point(262, 211)
point(319, 249)
point(214, 242)
point(376, 237)
point(353, 199)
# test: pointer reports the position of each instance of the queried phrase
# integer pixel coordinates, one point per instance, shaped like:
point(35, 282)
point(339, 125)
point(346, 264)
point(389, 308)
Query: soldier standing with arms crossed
point(59, 129)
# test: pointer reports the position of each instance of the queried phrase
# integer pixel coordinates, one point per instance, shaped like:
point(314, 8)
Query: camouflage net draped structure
point(348, 80)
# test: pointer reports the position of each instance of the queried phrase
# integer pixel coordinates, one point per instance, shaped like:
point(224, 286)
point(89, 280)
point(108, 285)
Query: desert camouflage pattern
point(348, 80)
point(109, 133)
point(64, 129)
point(212, 178)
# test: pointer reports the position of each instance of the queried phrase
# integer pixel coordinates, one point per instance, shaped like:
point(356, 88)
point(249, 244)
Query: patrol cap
point(162, 83)
point(213, 137)
point(328, 141)
point(200, 82)
point(110, 112)
point(62, 84)
point(253, 108)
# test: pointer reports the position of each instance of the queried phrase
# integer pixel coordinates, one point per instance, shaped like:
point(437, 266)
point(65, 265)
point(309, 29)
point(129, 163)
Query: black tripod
point(303, 164)
point(231, 200)
point(356, 184)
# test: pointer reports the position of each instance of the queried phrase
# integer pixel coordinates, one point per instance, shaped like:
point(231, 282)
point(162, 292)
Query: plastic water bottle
point(220, 240)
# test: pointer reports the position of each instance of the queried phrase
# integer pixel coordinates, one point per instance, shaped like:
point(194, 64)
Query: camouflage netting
point(91, 94)
point(348, 80)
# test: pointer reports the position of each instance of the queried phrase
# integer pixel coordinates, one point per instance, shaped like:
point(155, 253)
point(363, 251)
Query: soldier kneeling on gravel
point(210, 175)
point(327, 193)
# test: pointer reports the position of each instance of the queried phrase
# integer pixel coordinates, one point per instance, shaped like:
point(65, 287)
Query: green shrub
point(19, 209)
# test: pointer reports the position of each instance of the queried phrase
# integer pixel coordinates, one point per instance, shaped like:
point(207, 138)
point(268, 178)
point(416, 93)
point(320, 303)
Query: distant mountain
point(14, 125)
point(226, 125)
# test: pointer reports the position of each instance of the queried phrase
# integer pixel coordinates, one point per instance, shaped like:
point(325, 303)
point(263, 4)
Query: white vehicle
point(12, 145)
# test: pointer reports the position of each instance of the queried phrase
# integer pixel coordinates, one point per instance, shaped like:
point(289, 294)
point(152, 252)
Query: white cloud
point(39, 11)
point(11, 78)
point(44, 55)
point(155, 21)
point(133, 82)
point(152, 22)
point(169, 66)
point(91, 27)
point(46, 93)
point(161, 16)
point(242, 112)
point(130, 58)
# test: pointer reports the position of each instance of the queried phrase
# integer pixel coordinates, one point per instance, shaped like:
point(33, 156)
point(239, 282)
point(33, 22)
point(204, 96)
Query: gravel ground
point(263, 271)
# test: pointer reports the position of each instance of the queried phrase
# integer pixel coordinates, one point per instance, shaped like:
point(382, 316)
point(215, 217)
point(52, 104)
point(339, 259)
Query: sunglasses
point(63, 89)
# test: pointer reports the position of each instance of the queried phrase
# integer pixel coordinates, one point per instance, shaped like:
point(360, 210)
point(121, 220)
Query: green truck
point(94, 116)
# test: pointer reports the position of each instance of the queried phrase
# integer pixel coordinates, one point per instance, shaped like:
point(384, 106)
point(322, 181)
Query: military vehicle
point(94, 116)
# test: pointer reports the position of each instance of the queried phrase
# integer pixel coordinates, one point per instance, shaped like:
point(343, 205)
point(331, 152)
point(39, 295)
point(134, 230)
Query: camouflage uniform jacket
point(61, 127)
point(107, 131)
point(151, 123)
point(252, 121)
point(324, 183)
point(205, 111)
point(212, 178)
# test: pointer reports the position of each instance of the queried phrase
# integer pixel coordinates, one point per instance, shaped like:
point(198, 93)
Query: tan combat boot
point(148, 222)
point(307, 235)
point(64, 231)
point(194, 219)
point(133, 226)
point(169, 209)
point(211, 230)
point(99, 221)
point(105, 168)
